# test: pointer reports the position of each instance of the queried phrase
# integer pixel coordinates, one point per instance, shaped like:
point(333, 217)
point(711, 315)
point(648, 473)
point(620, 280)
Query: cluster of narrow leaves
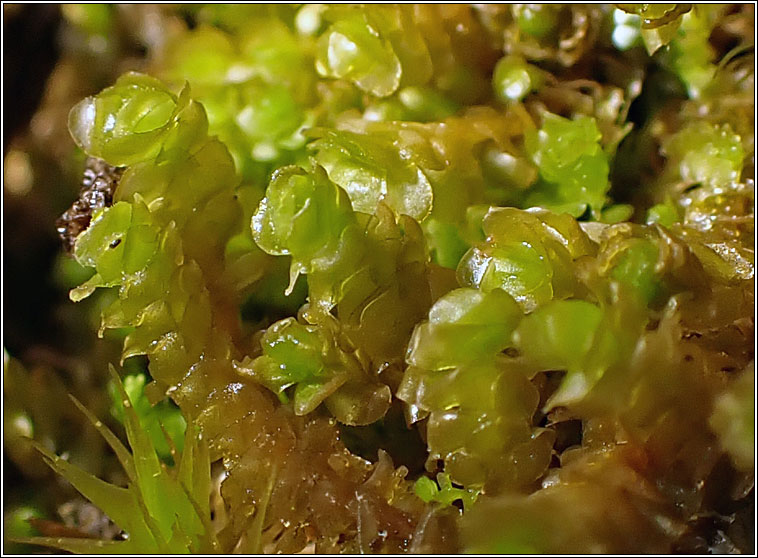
point(443, 182)
point(161, 510)
point(163, 421)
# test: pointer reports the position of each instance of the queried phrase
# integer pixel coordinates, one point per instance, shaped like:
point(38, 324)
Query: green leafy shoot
point(293, 357)
point(137, 119)
point(706, 154)
point(573, 166)
point(353, 49)
point(306, 216)
point(528, 254)
point(373, 167)
point(162, 510)
point(303, 362)
point(443, 492)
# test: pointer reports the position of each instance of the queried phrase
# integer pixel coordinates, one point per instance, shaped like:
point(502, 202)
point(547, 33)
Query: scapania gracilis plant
point(430, 278)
